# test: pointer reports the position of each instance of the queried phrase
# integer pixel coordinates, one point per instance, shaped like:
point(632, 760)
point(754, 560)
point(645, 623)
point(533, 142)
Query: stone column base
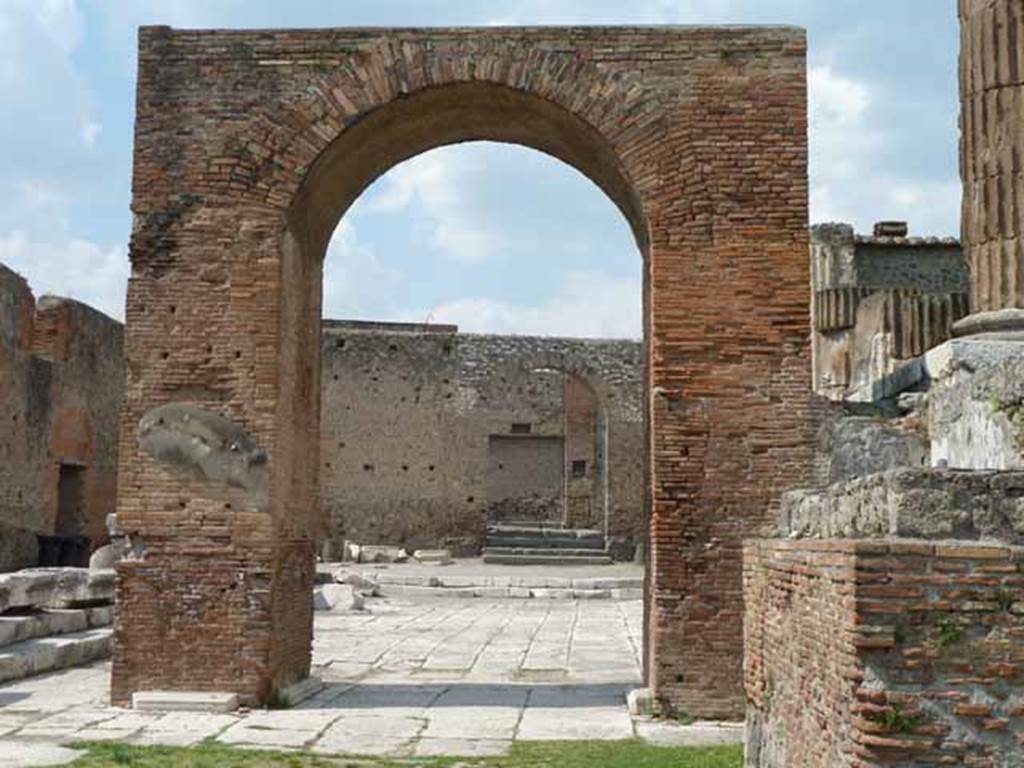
point(1005, 323)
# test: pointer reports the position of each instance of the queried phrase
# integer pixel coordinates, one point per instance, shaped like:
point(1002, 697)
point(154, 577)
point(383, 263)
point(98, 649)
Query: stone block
point(55, 588)
point(911, 503)
point(184, 701)
point(361, 584)
point(382, 553)
point(46, 623)
point(34, 657)
point(433, 556)
point(337, 597)
point(976, 404)
point(107, 556)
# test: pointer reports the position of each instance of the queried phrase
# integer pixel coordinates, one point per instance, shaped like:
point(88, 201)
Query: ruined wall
point(878, 302)
point(251, 145)
point(526, 479)
point(428, 433)
point(61, 385)
point(884, 653)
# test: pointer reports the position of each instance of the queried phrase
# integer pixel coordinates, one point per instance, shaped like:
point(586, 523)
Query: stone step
point(56, 588)
point(501, 557)
point(546, 551)
point(541, 542)
point(536, 531)
point(16, 628)
point(34, 657)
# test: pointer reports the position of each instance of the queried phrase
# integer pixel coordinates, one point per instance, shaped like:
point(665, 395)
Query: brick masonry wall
point(251, 145)
point(409, 413)
point(898, 653)
point(61, 374)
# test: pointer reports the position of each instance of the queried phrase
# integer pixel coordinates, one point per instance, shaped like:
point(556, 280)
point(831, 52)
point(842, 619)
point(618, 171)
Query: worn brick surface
point(251, 145)
point(884, 653)
point(61, 370)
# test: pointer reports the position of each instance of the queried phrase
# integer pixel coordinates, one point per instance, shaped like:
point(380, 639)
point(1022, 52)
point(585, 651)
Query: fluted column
point(992, 162)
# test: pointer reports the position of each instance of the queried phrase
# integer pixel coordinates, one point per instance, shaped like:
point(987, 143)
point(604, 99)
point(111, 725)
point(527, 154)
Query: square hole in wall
point(521, 429)
point(579, 468)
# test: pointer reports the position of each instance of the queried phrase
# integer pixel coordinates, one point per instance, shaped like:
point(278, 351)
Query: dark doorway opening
point(67, 546)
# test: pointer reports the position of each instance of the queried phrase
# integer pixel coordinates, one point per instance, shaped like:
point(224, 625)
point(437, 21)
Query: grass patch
point(563, 754)
point(614, 754)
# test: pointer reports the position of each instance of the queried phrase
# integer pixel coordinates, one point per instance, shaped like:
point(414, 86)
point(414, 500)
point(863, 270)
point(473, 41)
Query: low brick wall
point(890, 652)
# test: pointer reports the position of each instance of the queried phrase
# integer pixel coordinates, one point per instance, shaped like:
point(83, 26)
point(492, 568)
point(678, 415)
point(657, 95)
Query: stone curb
point(515, 592)
point(480, 582)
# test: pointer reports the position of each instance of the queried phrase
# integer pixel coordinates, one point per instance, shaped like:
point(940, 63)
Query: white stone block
point(185, 701)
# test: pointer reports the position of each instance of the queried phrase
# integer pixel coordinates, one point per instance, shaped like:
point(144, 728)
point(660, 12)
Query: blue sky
point(492, 237)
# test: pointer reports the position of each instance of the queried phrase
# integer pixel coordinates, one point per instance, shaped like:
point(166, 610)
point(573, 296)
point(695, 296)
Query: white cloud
point(852, 179)
point(356, 282)
point(841, 136)
point(67, 266)
point(90, 132)
point(588, 304)
point(433, 185)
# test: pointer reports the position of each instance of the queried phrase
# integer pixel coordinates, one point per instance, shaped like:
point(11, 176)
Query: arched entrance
point(249, 148)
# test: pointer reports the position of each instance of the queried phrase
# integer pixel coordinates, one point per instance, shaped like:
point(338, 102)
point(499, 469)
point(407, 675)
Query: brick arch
point(249, 145)
point(440, 115)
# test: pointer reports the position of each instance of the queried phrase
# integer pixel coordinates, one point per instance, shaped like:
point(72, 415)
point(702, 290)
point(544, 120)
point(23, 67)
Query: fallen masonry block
point(641, 702)
point(433, 556)
point(361, 584)
point(55, 588)
point(184, 701)
point(337, 597)
point(382, 553)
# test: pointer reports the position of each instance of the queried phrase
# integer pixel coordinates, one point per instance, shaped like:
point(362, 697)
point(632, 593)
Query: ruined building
point(880, 301)
point(863, 608)
point(249, 148)
point(884, 623)
point(61, 375)
point(427, 435)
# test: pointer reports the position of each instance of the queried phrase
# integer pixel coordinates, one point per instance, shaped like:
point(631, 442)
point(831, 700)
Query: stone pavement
point(405, 678)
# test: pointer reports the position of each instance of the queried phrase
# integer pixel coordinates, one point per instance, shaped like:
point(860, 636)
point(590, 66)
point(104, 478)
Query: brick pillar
point(992, 162)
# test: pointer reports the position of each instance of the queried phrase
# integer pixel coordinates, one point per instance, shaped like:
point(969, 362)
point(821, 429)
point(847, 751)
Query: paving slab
point(405, 678)
point(669, 734)
point(15, 754)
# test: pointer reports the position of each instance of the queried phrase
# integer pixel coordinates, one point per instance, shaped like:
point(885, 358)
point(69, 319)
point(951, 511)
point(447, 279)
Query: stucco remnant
point(205, 443)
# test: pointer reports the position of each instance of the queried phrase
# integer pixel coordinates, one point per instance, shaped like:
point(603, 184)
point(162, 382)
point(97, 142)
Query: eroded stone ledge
point(911, 503)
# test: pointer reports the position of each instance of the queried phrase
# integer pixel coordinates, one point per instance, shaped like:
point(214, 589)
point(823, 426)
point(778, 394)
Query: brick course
point(251, 145)
point(893, 652)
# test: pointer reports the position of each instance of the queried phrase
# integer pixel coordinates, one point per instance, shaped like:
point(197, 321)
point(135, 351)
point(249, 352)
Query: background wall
point(61, 385)
point(428, 433)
